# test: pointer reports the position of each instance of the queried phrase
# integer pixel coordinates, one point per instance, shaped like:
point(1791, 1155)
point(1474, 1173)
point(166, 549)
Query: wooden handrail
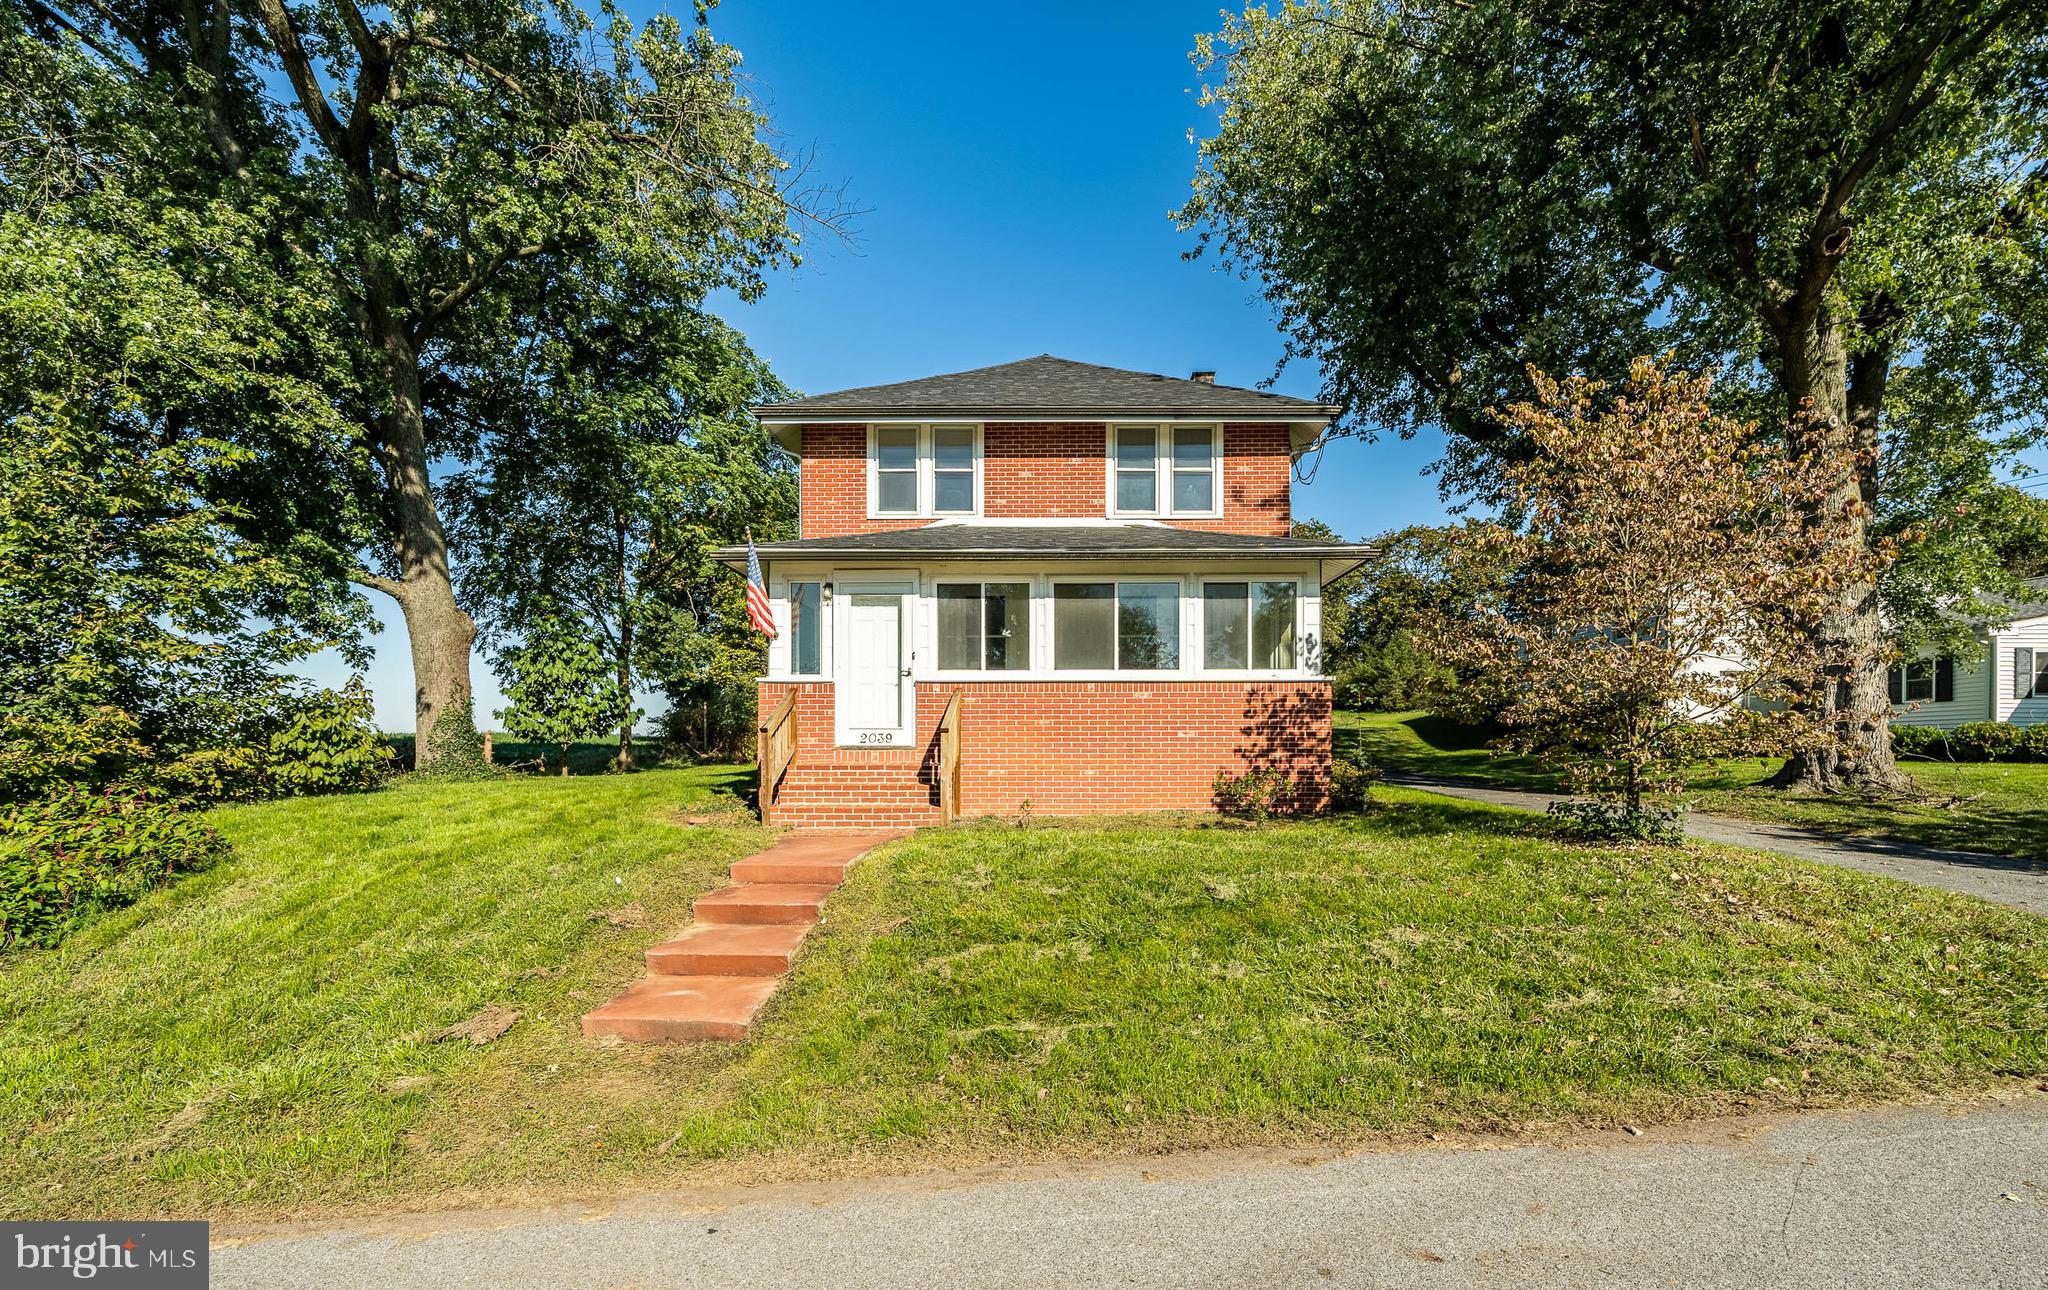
point(776, 750)
point(948, 769)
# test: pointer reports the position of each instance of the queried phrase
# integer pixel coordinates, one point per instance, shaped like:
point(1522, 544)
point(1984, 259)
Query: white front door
point(875, 696)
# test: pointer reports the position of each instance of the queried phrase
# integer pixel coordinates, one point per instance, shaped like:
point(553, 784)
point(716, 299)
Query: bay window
point(1116, 626)
point(984, 626)
point(1165, 470)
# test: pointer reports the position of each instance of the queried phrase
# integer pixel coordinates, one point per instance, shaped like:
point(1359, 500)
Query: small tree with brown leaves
point(1670, 565)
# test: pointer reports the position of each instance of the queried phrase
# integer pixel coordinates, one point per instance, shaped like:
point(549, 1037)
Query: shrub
point(1988, 741)
point(2034, 744)
point(1252, 795)
point(73, 851)
point(1602, 821)
point(1351, 784)
point(329, 745)
point(1921, 741)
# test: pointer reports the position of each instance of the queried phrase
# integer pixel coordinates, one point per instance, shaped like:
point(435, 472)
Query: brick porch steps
point(864, 797)
point(710, 981)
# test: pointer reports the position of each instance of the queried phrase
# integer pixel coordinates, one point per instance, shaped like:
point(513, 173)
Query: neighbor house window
point(1164, 470)
point(806, 629)
point(926, 470)
point(1120, 626)
point(1922, 680)
point(984, 626)
point(1248, 626)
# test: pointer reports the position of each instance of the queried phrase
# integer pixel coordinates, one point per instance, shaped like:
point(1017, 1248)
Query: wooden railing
point(948, 768)
point(776, 750)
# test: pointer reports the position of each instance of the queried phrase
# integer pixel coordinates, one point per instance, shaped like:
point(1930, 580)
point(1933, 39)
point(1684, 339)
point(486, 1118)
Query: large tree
point(432, 162)
point(1838, 204)
point(593, 486)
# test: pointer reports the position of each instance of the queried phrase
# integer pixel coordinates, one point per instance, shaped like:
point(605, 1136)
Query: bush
point(330, 745)
point(1988, 741)
point(1252, 795)
point(72, 851)
point(1925, 742)
point(2034, 744)
point(1351, 784)
point(1602, 821)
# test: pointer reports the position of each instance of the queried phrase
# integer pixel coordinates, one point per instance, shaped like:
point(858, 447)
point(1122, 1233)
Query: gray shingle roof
point(1049, 541)
point(1047, 386)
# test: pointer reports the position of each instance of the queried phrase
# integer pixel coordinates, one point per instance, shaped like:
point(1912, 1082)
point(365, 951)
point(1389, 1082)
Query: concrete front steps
point(710, 981)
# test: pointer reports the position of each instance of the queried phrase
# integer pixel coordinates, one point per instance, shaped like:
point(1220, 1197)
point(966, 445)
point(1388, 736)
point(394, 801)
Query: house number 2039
point(884, 737)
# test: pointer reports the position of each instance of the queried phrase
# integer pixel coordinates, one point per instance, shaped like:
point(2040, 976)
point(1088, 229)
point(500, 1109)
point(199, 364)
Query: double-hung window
point(1248, 626)
point(1116, 626)
point(1165, 470)
point(925, 470)
point(984, 626)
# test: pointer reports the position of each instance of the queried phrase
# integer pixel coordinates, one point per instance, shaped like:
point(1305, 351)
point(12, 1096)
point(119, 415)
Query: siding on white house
point(1972, 701)
point(2027, 633)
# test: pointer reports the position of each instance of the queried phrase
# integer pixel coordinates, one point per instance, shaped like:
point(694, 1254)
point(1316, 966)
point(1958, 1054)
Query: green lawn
point(253, 1038)
point(1997, 807)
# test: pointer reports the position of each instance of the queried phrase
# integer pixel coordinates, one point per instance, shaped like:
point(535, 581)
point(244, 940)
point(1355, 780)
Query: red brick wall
point(1089, 747)
point(1045, 472)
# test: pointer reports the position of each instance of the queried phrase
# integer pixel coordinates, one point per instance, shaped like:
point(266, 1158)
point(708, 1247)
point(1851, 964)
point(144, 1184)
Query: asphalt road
point(1921, 1197)
point(2008, 881)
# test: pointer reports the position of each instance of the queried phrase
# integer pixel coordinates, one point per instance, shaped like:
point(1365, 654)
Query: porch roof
point(956, 541)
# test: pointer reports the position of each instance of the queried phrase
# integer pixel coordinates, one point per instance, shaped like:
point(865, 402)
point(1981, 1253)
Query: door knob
point(906, 671)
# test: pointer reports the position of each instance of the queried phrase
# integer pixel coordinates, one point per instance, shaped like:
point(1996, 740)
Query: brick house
point(1043, 582)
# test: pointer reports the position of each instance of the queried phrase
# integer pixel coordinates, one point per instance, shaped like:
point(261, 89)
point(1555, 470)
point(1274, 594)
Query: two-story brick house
point(1093, 566)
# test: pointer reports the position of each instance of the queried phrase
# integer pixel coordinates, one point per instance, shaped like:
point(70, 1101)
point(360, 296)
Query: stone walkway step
point(710, 981)
point(683, 1007)
point(765, 902)
point(729, 949)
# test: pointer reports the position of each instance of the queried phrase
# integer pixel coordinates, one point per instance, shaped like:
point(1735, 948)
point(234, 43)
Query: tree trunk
point(1850, 696)
point(438, 630)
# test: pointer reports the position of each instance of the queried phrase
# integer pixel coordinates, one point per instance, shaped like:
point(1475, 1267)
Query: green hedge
point(1975, 741)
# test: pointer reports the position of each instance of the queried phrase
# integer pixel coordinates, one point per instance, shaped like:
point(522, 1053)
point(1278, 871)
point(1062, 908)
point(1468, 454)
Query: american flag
point(758, 612)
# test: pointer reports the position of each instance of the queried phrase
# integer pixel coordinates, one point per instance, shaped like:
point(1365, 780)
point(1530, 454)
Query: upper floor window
point(924, 470)
point(1165, 470)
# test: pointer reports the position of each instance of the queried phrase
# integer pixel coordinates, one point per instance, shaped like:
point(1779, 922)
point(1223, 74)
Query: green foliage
point(1838, 208)
point(1605, 821)
point(561, 686)
point(1974, 741)
point(1375, 662)
point(1254, 795)
point(1351, 783)
point(457, 747)
point(330, 744)
point(74, 851)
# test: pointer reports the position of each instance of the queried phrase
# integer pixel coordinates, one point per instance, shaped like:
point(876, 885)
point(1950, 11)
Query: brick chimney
point(1206, 378)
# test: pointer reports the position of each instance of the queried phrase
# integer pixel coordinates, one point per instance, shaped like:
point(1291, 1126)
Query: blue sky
point(1015, 164)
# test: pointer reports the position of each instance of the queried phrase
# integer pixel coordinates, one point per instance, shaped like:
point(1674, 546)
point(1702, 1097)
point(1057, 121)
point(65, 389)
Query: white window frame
point(1162, 470)
point(1032, 597)
point(1053, 671)
point(785, 605)
point(926, 471)
point(1302, 644)
point(1905, 667)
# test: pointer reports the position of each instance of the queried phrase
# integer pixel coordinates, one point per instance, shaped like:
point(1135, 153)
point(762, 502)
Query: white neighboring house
point(2009, 683)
